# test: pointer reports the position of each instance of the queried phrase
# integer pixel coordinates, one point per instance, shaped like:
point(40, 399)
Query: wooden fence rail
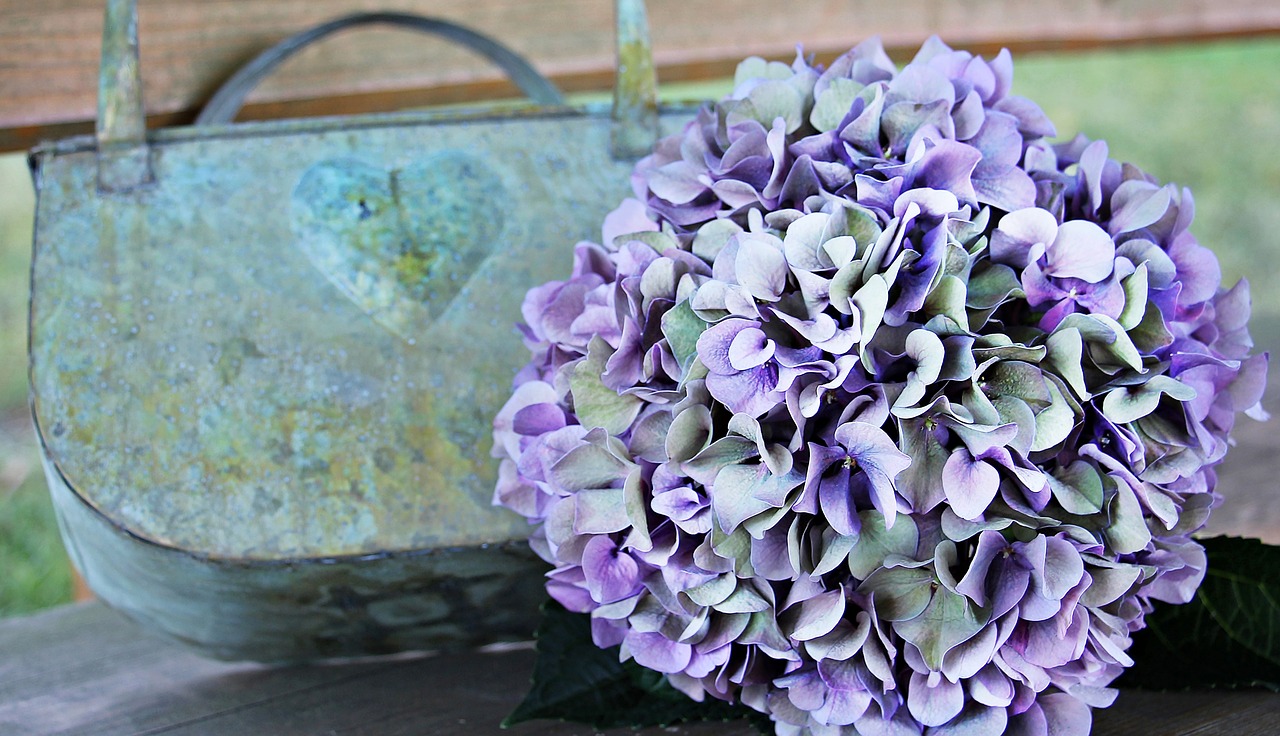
point(49, 49)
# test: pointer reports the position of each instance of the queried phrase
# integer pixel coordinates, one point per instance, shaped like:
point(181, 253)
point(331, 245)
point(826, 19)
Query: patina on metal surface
point(265, 363)
point(635, 94)
point(121, 128)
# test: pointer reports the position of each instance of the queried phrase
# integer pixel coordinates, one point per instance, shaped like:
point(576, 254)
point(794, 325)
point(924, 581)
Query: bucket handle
point(226, 102)
point(124, 161)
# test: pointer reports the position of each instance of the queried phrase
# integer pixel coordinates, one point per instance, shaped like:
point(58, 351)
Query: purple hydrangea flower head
point(875, 410)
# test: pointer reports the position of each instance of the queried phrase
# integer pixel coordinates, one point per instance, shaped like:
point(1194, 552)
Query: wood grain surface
point(49, 50)
point(83, 669)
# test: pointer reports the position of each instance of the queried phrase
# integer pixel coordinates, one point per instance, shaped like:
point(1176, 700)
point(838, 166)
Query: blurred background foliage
point(1206, 116)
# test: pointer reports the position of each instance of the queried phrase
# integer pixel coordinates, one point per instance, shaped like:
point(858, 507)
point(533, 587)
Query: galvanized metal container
point(265, 357)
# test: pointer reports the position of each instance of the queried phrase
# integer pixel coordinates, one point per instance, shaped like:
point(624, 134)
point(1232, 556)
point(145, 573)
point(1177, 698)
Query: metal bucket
point(265, 357)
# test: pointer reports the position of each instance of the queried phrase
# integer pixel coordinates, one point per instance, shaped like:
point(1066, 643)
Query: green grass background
point(1205, 116)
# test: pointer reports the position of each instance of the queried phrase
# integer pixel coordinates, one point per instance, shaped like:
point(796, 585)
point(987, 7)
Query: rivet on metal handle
point(124, 162)
point(635, 91)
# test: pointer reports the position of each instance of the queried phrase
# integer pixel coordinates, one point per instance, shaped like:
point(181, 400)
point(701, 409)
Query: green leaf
point(574, 680)
point(1227, 636)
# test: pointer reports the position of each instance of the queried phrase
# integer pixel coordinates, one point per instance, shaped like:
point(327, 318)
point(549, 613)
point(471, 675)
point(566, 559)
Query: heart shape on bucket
point(400, 243)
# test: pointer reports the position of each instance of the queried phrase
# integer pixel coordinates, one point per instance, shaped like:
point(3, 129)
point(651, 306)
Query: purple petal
point(1018, 231)
point(968, 657)
point(1197, 269)
point(948, 165)
point(677, 182)
point(1030, 722)
point(991, 687)
point(611, 574)
point(835, 494)
point(1092, 161)
point(879, 194)
point(629, 217)
point(1048, 644)
point(969, 115)
point(716, 341)
point(818, 615)
point(1062, 571)
point(678, 504)
point(761, 268)
point(625, 367)
point(974, 582)
point(1002, 68)
point(1031, 119)
point(566, 588)
point(749, 392)
point(934, 706)
point(1066, 715)
point(1081, 250)
point(975, 721)
point(1137, 204)
point(1012, 190)
point(750, 349)
point(999, 143)
point(657, 652)
point(970, 485)
point(804, 689)
point(880, 461)
point(919, 83)
point(870, 446)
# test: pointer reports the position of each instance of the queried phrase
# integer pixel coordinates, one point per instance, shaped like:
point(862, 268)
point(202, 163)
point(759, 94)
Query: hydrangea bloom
point(876, 411)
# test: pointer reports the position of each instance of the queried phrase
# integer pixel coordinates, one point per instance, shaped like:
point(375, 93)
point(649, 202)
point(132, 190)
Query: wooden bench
point(83, 669)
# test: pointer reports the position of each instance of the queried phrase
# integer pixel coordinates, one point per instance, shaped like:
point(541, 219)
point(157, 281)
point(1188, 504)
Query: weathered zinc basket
point(265, 357)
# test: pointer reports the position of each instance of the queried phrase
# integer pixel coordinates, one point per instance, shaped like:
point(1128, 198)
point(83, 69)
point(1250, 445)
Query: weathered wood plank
point(84, 669)
point(49, 50)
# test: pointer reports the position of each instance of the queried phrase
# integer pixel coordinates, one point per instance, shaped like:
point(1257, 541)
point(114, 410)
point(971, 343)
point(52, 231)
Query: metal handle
point(229, 98)
point(124, 161)
point(635, 90)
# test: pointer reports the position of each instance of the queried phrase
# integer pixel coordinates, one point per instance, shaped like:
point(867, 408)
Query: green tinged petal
point(595, 404)
point(901, 593)
point(682, 328)
point(1135, 298)
point(831, 106)
point(949, 620)
point(1077, 488)
point(875, 543)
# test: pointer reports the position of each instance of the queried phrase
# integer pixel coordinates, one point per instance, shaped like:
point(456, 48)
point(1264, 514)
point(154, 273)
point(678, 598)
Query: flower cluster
point(875, 410)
